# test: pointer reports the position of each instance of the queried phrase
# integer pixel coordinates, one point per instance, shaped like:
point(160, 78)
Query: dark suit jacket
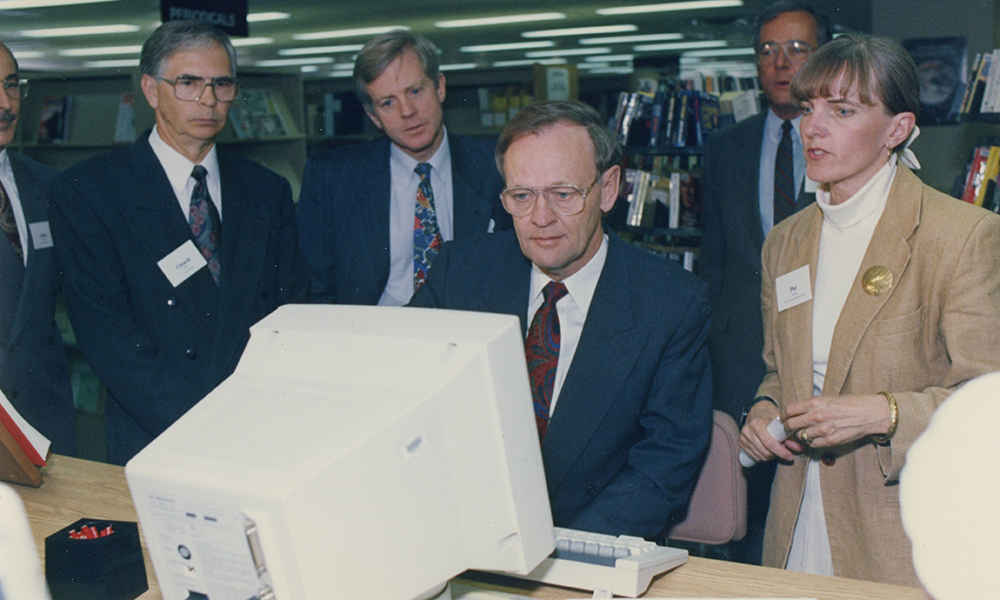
point(629, 432)
point(159, 349)
point(344, 213)
point(731, 242)
point(34, 372)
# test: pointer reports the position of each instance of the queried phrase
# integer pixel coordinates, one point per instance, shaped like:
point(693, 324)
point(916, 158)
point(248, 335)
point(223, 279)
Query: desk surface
point(75, 489)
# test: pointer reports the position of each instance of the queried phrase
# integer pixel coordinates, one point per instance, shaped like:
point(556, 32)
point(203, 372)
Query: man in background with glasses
point(34, 371)
point(616, 338)
point(171, 249)
point(753, 177)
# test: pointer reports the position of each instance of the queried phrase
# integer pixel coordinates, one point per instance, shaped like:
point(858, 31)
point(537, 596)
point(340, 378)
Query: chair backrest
point(717, 513)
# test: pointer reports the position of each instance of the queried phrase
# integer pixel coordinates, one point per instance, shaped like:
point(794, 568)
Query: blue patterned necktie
point(206, 225)
point(784, 176)
point(426, 234)
point(541, 348)
point(9, 224)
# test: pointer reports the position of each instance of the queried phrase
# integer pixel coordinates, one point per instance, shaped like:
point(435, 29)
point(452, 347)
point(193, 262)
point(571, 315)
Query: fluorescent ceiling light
point(70, 31)
point(668, 6)
point(458, 67)
point(579, 31)
point(251, 41)
point(266, 16)
point(340, 74)
point(614, 57)
point(721, 52)
point(570, 52)
point(680, 46)
point(294, 62)
point(123, 63)
point(503, 47)
point(104, 51)
point(309, 68)
point(17, 4)
point(529, 62)
point(630, 39)
point(320, 50)
point(505, 20)
point(612, 71)
point(342, 33)
point(27, 54)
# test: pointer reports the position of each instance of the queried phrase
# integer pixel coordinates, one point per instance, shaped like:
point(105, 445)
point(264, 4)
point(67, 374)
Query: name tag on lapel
point(41, 237)
point(182, 263)
point(793, 288)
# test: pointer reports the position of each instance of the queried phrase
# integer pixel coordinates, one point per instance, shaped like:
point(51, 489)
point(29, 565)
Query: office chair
point(717, 513)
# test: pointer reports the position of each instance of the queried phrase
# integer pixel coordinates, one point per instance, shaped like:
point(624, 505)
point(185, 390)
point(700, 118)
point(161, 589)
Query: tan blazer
point(936, 327)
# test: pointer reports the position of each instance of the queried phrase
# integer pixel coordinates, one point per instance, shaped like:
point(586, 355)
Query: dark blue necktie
point(784, 176)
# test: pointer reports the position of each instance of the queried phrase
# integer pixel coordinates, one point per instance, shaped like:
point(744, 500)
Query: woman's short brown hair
point(877, 67)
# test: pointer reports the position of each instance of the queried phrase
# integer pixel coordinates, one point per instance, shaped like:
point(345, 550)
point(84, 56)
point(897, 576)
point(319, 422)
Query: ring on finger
point(804, 437)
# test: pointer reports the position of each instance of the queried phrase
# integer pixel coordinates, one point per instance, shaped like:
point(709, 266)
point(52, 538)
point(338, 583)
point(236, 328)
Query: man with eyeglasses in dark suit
point(34, 371)
point(171, 249)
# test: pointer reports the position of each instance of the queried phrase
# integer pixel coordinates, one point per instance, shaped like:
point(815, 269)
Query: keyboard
point(605, 564)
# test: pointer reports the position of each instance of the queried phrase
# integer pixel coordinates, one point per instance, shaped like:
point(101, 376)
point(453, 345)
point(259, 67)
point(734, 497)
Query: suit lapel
point(888, 248)
point(797, 320)
point(31, 191)
point(470, 206)
point(609, 345)
point(370, 210)
point(156, 223)
point(512, 284)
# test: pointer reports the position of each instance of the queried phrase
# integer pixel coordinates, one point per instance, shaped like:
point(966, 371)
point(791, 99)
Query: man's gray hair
point(177, 36)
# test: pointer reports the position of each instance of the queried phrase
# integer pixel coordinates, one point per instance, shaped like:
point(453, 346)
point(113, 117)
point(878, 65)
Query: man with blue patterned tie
point(171, 249)
point(372, 215)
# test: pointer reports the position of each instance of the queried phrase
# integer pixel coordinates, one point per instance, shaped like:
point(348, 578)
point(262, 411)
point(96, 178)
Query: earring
point(888, 151)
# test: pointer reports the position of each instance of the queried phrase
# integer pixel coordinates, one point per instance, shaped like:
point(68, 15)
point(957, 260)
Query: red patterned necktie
point(426, 234)
point(8, 224)
point(206, 226)
point(541, 348)
point(784, 176)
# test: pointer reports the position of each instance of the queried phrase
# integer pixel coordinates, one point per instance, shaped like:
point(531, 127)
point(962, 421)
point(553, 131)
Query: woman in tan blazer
point(879, 301)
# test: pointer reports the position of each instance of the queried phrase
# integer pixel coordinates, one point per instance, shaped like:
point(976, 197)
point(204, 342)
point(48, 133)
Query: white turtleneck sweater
point(847, 230)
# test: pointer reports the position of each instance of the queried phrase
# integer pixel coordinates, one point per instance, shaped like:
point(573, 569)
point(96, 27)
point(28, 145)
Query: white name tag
point(41, 237)
point(793, 288)
point(182, 263)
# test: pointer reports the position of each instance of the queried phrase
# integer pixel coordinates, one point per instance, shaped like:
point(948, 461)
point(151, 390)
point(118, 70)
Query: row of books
point(981, 182)
point(980, 94)
point(258, 114)
point(668, 199)
point(666, 118)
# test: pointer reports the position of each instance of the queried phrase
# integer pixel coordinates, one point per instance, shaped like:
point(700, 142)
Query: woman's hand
point(758, 442)
point(823, 421)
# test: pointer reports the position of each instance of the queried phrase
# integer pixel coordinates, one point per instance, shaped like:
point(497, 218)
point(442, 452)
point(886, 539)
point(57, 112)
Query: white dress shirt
point(402, 208)
point(179, 168)
point(571, 308)
point(768, 150)
point(7, 177)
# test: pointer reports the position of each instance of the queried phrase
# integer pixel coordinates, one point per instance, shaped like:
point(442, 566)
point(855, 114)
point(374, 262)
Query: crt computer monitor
point(356, 452)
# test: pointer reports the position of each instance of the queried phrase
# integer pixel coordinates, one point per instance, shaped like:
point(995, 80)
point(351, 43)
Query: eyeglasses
point(566, 200)
point(796, 52)
point(190, 89)
point(15, 88)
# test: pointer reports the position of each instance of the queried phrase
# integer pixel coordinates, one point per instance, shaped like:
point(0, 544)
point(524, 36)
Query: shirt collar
point(580, 285)
point(4, 160)
point(407, 163)
point(772, 127)
point(178, 166)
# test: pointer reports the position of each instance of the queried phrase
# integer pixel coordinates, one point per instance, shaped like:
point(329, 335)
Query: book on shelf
point(53, 124)
point(257, 115)
point(990, 172)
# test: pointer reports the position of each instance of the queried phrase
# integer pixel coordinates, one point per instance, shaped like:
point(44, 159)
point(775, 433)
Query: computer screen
point(356, 452)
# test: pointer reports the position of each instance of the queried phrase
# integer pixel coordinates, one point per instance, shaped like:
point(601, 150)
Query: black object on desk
point(94, 559)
